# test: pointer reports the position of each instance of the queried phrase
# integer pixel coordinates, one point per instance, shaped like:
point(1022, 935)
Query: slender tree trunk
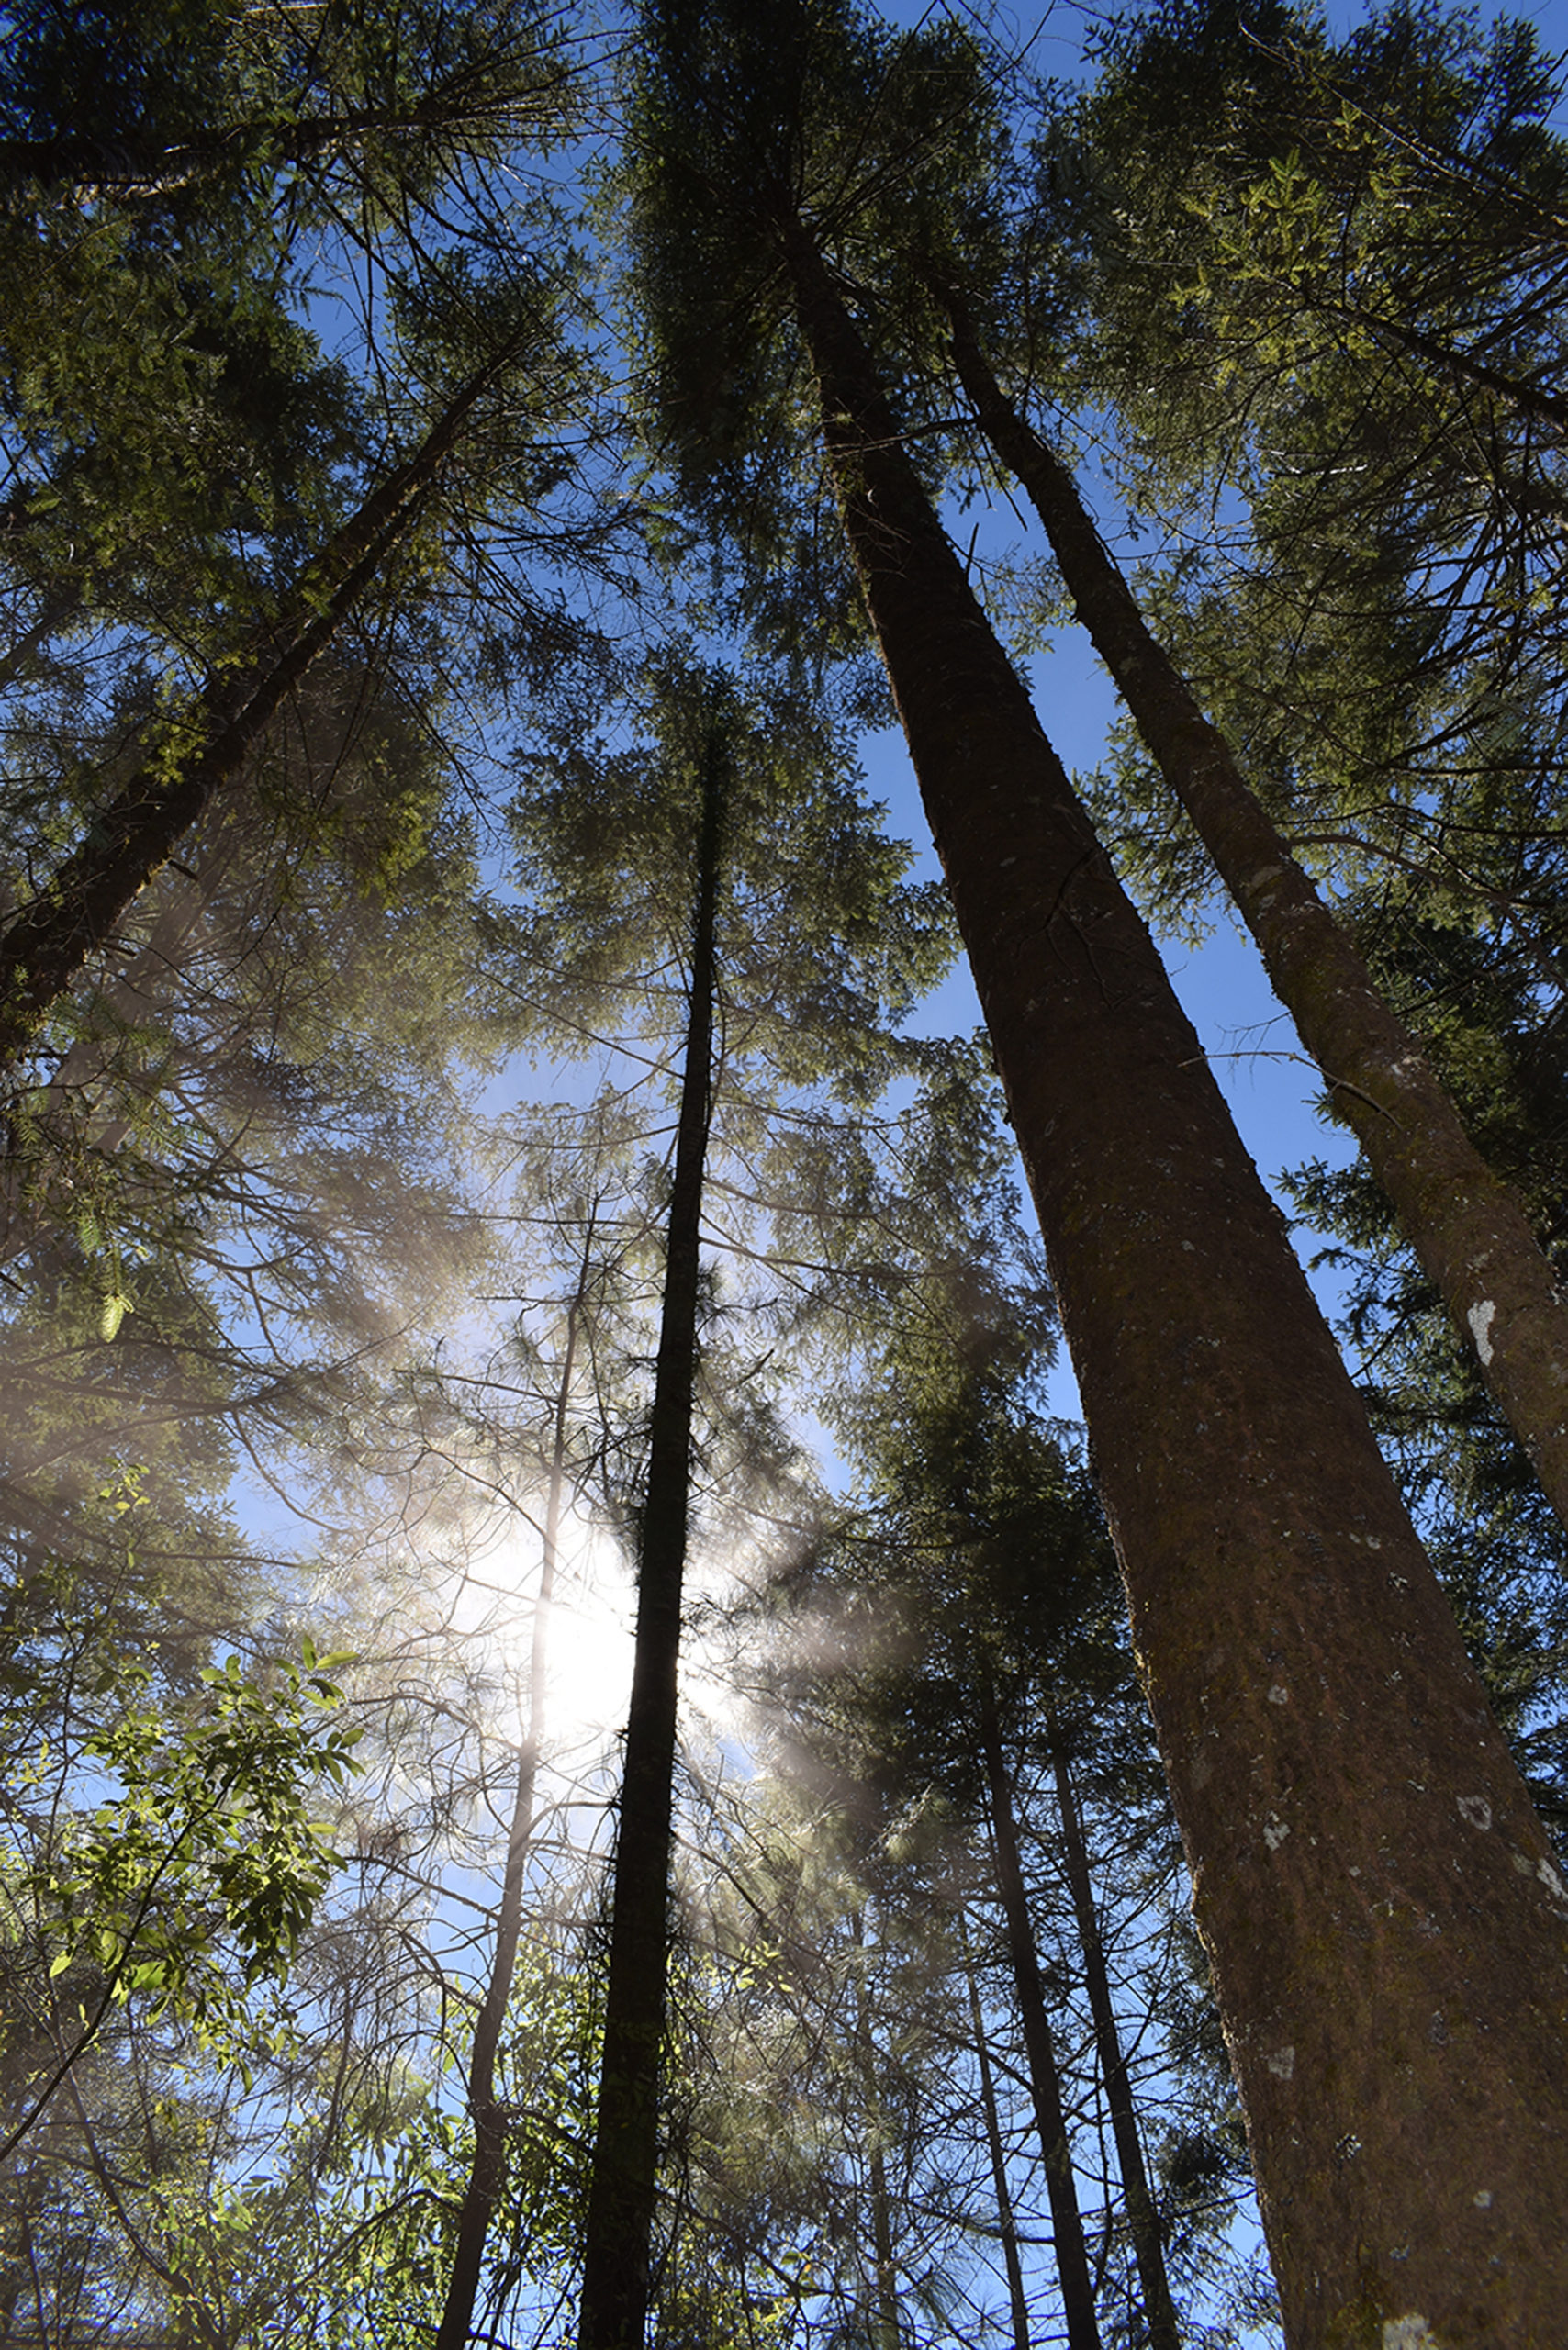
point(1530, 400)
point(1143, 2219)
point(1388, 1930)
point(1007, 2225)
point(202, 747)
point(1039, 2047)
point(612, 2314)
point(887, 2328)
point(194, 2325)
point(488, 2171)
point(885, 2323)
point(1467, 1226)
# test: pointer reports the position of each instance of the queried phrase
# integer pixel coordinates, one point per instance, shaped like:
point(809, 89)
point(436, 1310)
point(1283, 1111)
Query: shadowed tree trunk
point(1039, 2047)
point(1388, 1930)
point(612, 2314)
point(885, 2323)
point(202, 747)
point(1007, 2226)
point(1466, 1226)
point(1143, 2220)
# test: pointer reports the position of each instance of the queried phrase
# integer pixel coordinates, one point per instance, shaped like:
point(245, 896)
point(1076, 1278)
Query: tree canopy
point(587, 1755)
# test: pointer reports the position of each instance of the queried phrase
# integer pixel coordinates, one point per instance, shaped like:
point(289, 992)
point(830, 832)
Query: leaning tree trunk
point(203, 746)
point(1467, 1226)
point(1143, 2219)
point(1388, 1930)
point(1039, 2047)
point(487, 2172)
point(1531, 401)
point(612, 2312)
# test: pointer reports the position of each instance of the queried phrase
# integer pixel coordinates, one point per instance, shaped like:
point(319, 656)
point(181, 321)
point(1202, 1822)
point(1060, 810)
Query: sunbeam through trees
point(588, 1760)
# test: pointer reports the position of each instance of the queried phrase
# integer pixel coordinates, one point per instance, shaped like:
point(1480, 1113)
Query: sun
point(588, 1631)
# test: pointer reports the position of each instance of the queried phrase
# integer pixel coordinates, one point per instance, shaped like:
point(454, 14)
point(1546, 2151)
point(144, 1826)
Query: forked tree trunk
point(202, 747)
point(1467, 1226)
point(1143, 2219)
point(612, 2312)
point(1006, 2224)
point(486, 2172)
point(1388, 1930)
point(1039, 2047)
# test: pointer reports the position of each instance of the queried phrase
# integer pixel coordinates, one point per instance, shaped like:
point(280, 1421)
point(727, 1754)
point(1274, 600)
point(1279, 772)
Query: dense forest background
point(481, 1166)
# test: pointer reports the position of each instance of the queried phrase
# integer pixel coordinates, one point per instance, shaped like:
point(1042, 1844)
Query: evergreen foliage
point(468, 479)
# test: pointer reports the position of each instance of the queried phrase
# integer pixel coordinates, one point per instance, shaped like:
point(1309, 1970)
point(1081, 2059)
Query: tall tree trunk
point(1039, 2047)
point(885, 2326)
point(488, 2171)
point(1467, 1226)
point(1007, 2225)
point(204, 746)
point(1143, 2219)
point(613, 2313)
point(1388, 1930)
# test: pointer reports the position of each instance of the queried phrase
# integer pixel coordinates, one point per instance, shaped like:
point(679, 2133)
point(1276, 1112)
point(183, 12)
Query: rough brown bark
point(1468, 1227)
point(614, 2309)
point(488, 2170)
point(1388, 1930)
point(1039, 2048)
point(75, 911)
point(1143, 2219)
